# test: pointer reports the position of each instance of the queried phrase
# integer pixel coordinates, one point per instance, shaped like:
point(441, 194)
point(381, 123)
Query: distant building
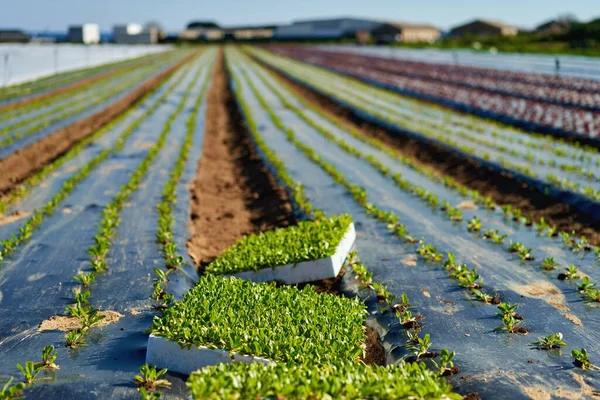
point(250, 32)
point(555, 26)
point(135, 34)
point(390, 32)
point(338, 28)
point(13, 36)
point(86, 34)
point(483, 28)
point(209, 31)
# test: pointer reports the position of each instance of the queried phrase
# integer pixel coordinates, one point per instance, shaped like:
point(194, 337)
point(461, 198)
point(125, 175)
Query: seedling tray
point(165, 353)
point(306, 271)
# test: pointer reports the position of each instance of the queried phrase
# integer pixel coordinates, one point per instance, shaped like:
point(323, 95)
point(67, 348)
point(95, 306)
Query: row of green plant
point(115, 73)
point(485, 201)
point(343, 381)
point(32, 223)
point(65, 112)
point(57, 80)
point(308, 240)
point(107, 228)
point(149, 380)
point(527, 139)
point(471, 280)
point(359, 100)
point(20, 191)
point(30, 372)
point(164, 232)
point(89, 95)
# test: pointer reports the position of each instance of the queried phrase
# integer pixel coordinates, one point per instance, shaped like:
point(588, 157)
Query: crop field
point(131, 192)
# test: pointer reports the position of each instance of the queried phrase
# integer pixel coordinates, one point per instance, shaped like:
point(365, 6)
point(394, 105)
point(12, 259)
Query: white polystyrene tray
point(164, 353)
point(307, 271)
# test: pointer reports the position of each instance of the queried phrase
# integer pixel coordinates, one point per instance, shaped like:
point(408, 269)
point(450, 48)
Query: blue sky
point(174, 14)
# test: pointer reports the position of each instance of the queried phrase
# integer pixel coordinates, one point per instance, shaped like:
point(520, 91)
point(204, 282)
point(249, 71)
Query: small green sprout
point(549, 264)
point(494, 236)
point(585, 284)
point(474, 225)
point(471, 280)
point(484, 297)
point(511, 325)
point(422, 346)
point(406, 318)
point(48, 358)
point(149, 378)
point(85, 279)
point(9, 392)
point(554, 341)
point(30, 372)
point(569, 274)
point(74, 339)
point(582, 245)
point(582, 359)
point(593, 294)
point(446, 364)
point(508, 309)
point(429, 252)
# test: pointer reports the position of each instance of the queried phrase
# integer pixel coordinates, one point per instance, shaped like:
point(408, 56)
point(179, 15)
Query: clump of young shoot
point(549, 264)
point(10, 391)
point(474, 225)
point(446, 365)
point(593, 295)
point(585, 285)
point(521, 250)
point(429, 252)
point(511, 325)
point(554, 341)
point(407, 318)
point(74, 339)
point(48, 358)
point(149, 378)
point(582, 360)
point(581, 245)
point(421, 348)
point(570, 273)
point(509, 309)
point(403, 305)
point(85, 278)
point(484, 297)
point(494, 236)
point(30, 372)
point(471, 280)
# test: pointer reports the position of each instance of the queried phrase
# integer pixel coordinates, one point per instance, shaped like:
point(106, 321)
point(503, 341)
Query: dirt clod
point(68, 323)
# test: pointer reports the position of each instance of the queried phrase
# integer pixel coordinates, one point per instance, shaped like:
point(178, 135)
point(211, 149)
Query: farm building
point(250, 32)
point(212, 32)
point(325, 29)
point(482, 27)
point(134, 34)
point(555, 26)
point(404, 32)
point(86, 34)
point(13, 36)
